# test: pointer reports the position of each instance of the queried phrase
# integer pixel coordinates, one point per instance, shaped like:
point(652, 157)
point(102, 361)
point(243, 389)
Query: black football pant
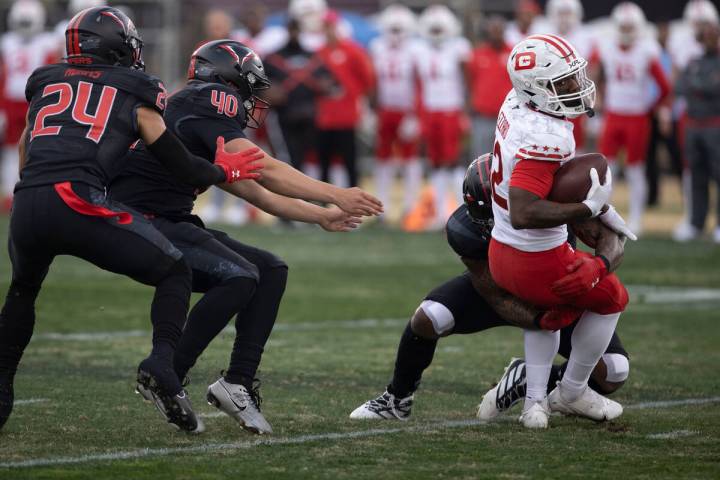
point(337, 143)
point(472, 314)
point(299, 139)
point(238, 280)
point(43, 225)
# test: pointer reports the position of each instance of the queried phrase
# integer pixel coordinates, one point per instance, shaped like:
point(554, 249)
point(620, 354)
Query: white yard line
point(29, 401)
point(217, 447)
point(671, 435)
point(640, 295)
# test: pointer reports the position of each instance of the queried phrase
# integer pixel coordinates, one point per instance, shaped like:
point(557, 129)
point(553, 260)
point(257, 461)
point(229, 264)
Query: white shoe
point(509, 390)
point(589, 404)
point(685, 232)
point(536, 416)
point(716, 235)
point(210, 213)
point(385, 407)
point(240, 403)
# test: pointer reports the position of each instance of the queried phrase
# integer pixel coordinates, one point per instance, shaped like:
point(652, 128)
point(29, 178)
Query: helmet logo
point(231, 52)
point(525, 61)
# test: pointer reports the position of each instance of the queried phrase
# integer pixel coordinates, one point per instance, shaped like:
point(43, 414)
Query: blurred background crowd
point(401, 97)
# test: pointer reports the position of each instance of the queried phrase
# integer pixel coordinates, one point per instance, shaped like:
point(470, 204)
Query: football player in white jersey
point(526, 23)
point(398, 129)
point(565, 20)
point(23, 48)
point(442, 68)
point(628, 65)
point(529, 252)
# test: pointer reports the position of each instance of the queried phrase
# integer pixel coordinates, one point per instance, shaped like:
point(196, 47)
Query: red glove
point(238, 166)
point(557, 318)
point(583, 274)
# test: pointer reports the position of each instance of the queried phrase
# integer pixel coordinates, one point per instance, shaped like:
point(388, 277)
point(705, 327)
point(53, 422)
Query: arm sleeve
point(534, 176)
point(182, 164)
point(661, 80)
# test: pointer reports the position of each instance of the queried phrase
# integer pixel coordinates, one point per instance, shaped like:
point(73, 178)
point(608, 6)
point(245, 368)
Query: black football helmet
point(477, 193)
point(103, 35)
point(231, 63)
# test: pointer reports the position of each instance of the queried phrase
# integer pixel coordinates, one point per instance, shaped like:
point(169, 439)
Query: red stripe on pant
point(72, 200)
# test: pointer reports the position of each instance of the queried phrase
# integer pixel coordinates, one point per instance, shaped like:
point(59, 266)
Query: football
point(572, 180)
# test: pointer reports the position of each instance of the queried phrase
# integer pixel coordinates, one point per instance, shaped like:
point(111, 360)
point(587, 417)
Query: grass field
point(333, 348)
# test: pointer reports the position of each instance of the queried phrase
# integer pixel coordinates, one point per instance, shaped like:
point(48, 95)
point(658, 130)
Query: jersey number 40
point(96, 121)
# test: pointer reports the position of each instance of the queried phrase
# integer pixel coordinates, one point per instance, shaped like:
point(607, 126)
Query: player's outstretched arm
point(281, 178)
point(331, 219)
point(193, 170)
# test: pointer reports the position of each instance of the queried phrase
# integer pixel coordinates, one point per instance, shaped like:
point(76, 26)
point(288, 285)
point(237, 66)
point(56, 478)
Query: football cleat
point(6, 401)
point(155, 384)
point(509, 390)
point(536, 416)
point(240, 403)
point(589, 404)
point(385, 407)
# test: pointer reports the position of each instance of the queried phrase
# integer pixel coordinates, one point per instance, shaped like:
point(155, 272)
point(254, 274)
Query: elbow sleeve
point(188, 168)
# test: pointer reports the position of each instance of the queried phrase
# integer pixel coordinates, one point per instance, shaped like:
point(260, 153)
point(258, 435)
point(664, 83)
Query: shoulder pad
point(147, 88)
point(547, 145)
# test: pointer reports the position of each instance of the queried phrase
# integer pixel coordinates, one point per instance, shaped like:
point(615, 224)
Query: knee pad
point(441, 317)
point(618, 367)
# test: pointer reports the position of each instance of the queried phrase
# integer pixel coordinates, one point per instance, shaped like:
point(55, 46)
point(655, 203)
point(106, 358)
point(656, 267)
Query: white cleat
point(385, 407)
point(509, 390)
point(536, 416)
point(239, 403)
point(589, 404)
point(685, 233)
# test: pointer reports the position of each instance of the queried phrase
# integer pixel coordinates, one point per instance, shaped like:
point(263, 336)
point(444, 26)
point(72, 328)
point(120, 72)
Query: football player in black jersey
point(472, 302)
point(220, 99)
point(83, 116)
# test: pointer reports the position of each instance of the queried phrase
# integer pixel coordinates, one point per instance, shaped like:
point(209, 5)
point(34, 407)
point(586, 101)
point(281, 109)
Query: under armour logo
point(595, 282)
point(235, 174)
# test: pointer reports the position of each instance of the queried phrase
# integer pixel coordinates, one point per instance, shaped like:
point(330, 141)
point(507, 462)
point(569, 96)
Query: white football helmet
point(630, 22)
point(565, 14)
point(700, 11)
point(397, 21)
point(76, 6)
point(438, 23)
point(26, 17)
point(309, 13)
point(547, 72)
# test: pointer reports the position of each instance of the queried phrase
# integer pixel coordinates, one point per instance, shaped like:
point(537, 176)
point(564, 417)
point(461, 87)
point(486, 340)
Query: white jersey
point(513, 35)
point(581, 38)
point(627, 76)
point(395, 72)
point(20, 57)
point(525, 134)
point(683, 47)
point(441, 74)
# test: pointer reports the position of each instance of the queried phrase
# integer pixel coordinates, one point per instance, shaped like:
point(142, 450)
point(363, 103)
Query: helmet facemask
point(571, 94)
point(256, 107)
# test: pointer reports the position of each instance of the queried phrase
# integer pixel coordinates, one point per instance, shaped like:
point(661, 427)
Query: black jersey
point(197, 114)
point(81, 121)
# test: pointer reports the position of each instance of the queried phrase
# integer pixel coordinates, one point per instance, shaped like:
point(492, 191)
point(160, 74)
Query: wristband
point(605, 261)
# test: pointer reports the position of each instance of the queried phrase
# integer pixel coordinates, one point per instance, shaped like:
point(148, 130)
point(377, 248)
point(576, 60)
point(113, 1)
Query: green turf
point(314, 376)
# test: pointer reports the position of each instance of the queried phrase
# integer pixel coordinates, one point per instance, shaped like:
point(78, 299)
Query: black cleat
point(159, 384)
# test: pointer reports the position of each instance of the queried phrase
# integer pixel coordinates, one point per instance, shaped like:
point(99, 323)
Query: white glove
point(616, 223)
point(599, 194)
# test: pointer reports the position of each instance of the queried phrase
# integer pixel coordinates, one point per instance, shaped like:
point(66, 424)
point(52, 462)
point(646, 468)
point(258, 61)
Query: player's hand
point(616, 223)
point(583, 274)
point(557, 318)
point(358, 202)
point(335, 220)
point(238, 166)
point(599, 193)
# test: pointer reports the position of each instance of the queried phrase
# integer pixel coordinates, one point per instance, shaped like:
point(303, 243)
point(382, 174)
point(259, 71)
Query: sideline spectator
point(700, 85)
point(489, 83)
point(348, 78)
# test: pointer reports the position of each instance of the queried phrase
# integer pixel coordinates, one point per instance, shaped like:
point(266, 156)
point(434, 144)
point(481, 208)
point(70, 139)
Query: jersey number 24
point(66, 98)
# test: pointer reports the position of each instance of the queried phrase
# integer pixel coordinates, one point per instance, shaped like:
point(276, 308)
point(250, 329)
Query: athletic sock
point(458, 175)
point(9, 169)
point(637, 184)
point(254, 325)
point(590, 339)
point(413, 181)
point(209, 316)
point(439, 179)
point(384, 175)
point(540, 349)
point(414, 355)
point(169, 309)
point(17, 321)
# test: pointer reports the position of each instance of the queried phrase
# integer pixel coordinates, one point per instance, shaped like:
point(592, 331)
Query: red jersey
point(489, 81)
